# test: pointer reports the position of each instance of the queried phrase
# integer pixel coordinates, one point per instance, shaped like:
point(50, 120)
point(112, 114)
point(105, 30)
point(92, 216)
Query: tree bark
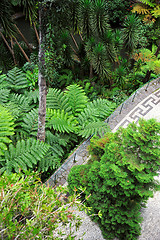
point(41, 79)
point(25, 55)
point(14, 58)
point(36, 32)
point(24, 39)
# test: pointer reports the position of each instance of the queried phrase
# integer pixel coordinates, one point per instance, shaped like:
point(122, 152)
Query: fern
point(30, 122)
point(61, 121)
point(26, 155)
point(77, 98)
point(6, 129)
point(156, 12)
point(97, 128)
point(33, 96)
point(3, 82)
point(99, 109)
point(148, 2)
point(57, 100)
point(141, 9)
point(21, 101)
point(4, 95)
point(16, 79)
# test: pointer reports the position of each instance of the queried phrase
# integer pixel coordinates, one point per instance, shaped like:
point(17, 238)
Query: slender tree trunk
point(91, 71)
point(4, 39)
point(148, 74)
point(14, 58)
point(9, 48)
point(25, 55)
point(41, 79)
point(36, 32)
point(74, 40)
point(23, 37)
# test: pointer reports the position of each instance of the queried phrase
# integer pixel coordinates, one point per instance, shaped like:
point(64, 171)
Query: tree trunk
point(91, 71)
point(25, 55)
point(41, 79)
point(35, 29)
point(24, 39)
point(14, 58)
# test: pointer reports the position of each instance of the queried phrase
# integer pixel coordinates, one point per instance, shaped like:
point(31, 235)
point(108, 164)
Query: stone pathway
point(144, 103)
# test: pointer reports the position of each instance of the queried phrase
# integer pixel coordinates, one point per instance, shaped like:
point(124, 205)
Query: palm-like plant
point(84, 15)
point(99, 17)
point(132, 33)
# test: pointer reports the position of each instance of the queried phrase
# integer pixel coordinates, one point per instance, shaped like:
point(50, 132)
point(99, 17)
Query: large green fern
point(4, 95)
point(99, 109)
point(61, 121)
point(29, 122)
point(77, 98)
point(97, 128)
point(6, 129)
point(57, 100)
point(25, 155)
point(16, 79)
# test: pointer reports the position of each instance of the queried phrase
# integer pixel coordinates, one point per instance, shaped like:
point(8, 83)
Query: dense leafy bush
point(120, 178)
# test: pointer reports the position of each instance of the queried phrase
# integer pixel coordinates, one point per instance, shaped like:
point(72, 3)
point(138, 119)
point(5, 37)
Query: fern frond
point(77, 98)
point(141, 9)
point(61, 122)
point(50, 160)
point(33, 96)
point(97, 128)
point(103, 107)
point(156, 12)
point(25, 155)
point(57, 100)
point(54, 142)
point(99, 109)
point(148, 2)
point(3, 82)
point(4, 95)
point(16, 79)
point(6, 129)
point(145, 55)
point(30, 122)
point(21, 101)
point(156, 67)
point(14, 110)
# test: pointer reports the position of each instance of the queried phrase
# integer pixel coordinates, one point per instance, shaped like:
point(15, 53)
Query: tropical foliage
point(119, 178)
point(70, 117)
point(31, 210)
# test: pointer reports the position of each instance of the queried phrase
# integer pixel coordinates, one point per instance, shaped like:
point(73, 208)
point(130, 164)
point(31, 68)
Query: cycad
point(6, 129)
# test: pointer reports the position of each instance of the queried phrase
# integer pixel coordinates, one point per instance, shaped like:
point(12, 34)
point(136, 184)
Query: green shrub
point(122, 179)
point(31, 210)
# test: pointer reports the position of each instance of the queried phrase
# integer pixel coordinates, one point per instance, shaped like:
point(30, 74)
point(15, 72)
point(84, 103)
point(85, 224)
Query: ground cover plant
point(120, 177)
point(31, 210)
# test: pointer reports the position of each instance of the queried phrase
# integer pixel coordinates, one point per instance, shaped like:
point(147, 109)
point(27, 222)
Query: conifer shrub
point(122, 179)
